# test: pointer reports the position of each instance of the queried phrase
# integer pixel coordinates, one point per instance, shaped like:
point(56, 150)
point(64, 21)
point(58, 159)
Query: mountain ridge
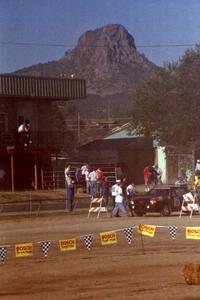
point(108, 60)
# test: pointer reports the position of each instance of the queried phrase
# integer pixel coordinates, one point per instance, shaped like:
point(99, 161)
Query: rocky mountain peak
point(105, 47)
point(110, 44)
point(106, 57)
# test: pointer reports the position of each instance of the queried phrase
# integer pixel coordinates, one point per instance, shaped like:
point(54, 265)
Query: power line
point(109, 126)
point(166, 45)
point(34, 44)
point(93, 46)
point(99, 120)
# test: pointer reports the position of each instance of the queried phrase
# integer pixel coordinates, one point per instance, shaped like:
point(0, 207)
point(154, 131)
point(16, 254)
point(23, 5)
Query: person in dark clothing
point(153, 175)
point(78, 175)
point(105, 190)
point(70, 196)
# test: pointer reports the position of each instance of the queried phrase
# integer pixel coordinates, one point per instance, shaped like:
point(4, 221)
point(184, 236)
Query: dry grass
point(36, 195)
point(191, 273)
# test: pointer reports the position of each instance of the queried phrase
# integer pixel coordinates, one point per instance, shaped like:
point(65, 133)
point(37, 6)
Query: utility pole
point(108, 113)
point(79, 130)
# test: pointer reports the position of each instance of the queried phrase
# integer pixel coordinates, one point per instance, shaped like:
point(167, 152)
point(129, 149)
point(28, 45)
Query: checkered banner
point(88, 241)
point(129, 234)
point(3, 253)
point(172, 231)
point(45, 247)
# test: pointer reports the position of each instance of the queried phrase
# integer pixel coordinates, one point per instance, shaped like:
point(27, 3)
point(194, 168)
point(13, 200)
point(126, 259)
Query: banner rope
point(96, 234)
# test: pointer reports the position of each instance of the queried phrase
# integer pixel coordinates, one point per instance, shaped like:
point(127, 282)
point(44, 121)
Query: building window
point(3, 122)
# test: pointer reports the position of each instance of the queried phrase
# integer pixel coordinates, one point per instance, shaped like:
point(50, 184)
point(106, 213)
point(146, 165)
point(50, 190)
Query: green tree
point(66, 137)
point(167, 105)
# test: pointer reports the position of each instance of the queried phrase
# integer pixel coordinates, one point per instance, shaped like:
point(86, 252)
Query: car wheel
point(166, 210)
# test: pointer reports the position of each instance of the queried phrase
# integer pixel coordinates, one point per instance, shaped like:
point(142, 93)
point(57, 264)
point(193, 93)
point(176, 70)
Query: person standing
point(87, 181)
point(181, 173)
point(70, 195)
point(85, 170)
point(119, 198)
point(146, 178)
point(67, 174)
point(93, 183)
point(197, 168)
point(105, 190)
point(99, 173)
point(130, 192)
point(78, 176)
point(113, 192)
point(153, 175)
point(189, 175)
point(158, 174)
point(124, 186)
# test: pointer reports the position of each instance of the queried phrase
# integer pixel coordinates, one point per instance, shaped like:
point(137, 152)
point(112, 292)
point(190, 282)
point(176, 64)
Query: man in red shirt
point(147, 175)
point(99, 173)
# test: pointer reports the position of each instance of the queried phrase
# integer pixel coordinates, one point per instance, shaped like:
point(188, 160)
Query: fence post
point(12, 172)
point(57, 180)
point(36, 177)
point(54, 183)
point(42, 178)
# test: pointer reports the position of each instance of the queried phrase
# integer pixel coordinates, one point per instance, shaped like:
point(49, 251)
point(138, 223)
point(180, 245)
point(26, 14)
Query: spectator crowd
point(96, 184)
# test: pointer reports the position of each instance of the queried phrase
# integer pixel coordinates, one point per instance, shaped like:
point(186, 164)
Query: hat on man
point(118, 180)
point(198, 160)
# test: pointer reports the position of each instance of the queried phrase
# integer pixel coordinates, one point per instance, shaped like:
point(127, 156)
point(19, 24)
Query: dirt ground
point(148, 269)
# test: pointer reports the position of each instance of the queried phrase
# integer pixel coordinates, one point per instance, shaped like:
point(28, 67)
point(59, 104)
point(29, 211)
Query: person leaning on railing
point(24, 131)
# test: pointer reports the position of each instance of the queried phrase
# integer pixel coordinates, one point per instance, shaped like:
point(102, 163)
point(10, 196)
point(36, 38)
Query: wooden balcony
point(40, 139)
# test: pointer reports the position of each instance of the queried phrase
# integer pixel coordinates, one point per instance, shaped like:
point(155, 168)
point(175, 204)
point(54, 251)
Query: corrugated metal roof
point(122, 132)
point(119, 144)
point(38, 87)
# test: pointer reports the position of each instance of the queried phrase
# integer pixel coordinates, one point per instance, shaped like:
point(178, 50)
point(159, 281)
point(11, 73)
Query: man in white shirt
point(24, 132)
point(119, 197)
point(87, 181)
point(197, 168)
point(158, 174)
point(83, 169)
point(67, 174)
point(113, 193)
point(93, 183)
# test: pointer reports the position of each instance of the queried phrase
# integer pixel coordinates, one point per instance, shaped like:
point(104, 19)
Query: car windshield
point(159, 192)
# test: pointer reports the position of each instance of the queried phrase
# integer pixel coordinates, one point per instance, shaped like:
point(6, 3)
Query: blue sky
point(151, 22)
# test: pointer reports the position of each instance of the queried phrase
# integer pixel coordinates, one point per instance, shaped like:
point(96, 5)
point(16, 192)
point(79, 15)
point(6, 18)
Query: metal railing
point(53, 180)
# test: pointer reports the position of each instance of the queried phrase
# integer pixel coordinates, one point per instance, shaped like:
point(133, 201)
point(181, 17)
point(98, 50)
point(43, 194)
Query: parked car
point(160, 199)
